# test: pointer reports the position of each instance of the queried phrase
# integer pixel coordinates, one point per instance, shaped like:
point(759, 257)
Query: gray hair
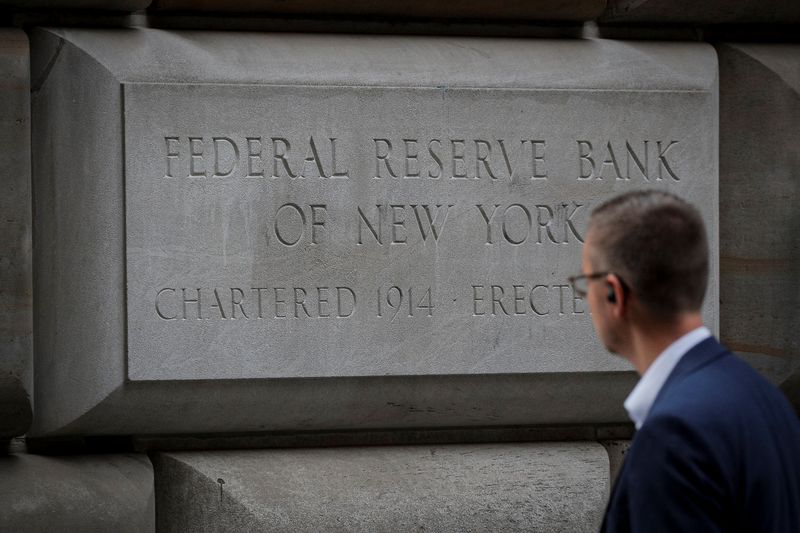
point(656, 242)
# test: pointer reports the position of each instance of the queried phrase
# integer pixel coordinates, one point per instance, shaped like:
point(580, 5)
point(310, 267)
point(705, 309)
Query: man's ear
point(616, 296)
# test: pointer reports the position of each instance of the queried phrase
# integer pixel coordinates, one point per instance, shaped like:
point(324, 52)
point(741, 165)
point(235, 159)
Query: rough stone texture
point(114, 112)
point(97, 5)
point(690, 11)
point(16, 358)
point(510, 487)
point(759, 217)
point(77, 493)
point(482, 9)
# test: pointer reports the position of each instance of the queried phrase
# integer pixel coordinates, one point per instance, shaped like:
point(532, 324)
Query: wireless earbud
point(611, 296)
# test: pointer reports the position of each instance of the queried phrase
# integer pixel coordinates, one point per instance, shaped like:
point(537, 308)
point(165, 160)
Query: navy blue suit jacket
point(718, 451)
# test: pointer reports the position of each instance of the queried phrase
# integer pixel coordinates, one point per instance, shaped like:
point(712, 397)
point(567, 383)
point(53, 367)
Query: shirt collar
point(641, 398)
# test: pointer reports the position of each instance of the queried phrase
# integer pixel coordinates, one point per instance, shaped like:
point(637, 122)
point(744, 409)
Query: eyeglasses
point(580, 284)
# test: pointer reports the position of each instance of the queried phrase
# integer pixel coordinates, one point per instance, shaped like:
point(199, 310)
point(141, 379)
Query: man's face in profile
point(597, 296)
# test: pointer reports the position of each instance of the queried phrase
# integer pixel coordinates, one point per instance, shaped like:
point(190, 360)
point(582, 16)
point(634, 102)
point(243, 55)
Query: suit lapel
point(697, 357)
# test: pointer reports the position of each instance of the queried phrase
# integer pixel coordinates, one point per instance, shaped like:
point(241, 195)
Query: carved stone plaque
point(347, 231)
point(250, 232)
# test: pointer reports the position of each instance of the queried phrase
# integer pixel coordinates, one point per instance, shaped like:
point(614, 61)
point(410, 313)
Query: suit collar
point(696, 358)
point(641, 398)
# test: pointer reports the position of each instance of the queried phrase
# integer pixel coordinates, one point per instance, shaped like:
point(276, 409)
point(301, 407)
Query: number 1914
point(396, 300)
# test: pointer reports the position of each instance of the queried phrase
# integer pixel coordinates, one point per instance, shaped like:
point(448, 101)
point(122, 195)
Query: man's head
point(654, 248)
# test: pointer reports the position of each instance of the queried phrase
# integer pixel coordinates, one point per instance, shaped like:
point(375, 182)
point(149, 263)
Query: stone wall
point(302, 266)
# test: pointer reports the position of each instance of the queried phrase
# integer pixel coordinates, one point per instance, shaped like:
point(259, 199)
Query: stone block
point(501, 487)
point(242, 232)
point(691, 12)
point(515, 10)
point(76, 493)
point(617, 449)
point(16, 357)
point(95, 5)
point(759, 218)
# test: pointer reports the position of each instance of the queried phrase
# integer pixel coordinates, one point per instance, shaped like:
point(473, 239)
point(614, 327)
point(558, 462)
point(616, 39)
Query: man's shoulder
point(724, 404)
point(722, 383)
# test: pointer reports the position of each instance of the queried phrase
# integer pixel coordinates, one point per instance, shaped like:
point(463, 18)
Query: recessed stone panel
point(274, 232)
point(759, 221)
point(294, 213)
point(16, 358)
point(511, 487)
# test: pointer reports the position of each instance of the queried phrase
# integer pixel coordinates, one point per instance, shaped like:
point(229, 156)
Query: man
point(717, 448)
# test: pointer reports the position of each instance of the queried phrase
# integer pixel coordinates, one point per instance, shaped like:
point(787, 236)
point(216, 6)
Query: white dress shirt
point(641, 398)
